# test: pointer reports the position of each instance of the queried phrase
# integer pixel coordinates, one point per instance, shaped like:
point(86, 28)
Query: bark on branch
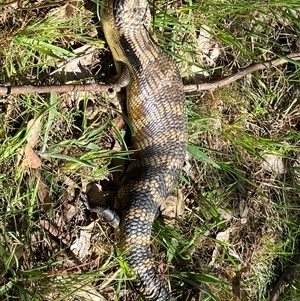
point(194, 88)
point(7, 90)
point(215, 84)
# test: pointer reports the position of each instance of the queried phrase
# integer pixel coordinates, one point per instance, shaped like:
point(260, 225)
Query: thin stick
point(213, 85)
point(58, 89)
point(19, 4)
point(46, 5)
point(194, 88)
point(2, 5)
point(285, 278)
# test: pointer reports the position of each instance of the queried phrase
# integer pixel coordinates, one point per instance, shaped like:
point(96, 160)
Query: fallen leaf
point(274, 164)
point(119, 122)
point(43, 195)
point(88, 292)
point(33, 131)
point(31, 158)
point(222, 237)
point(208, 47)
point(81, 246)
point(77, 68)
point(71, 212)
point(64, 11)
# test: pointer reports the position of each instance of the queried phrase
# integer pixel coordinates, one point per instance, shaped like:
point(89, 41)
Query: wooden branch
point(194, 88)
point(285, 278)
point(46, 5)
point(213, 85)
point(2, 5)
point(19, 5)
point(58, 89)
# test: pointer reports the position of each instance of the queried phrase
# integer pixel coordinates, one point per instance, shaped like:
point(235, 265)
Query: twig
point(2, 5)
point(285, 278)
point(212, 85)
point(46, 5)
point(58, 89)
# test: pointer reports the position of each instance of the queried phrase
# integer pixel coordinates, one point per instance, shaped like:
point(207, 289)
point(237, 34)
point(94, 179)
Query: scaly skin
point(156, 109)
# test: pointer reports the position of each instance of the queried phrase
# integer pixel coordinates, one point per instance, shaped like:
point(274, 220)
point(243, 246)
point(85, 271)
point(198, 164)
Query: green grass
point(239, 228)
